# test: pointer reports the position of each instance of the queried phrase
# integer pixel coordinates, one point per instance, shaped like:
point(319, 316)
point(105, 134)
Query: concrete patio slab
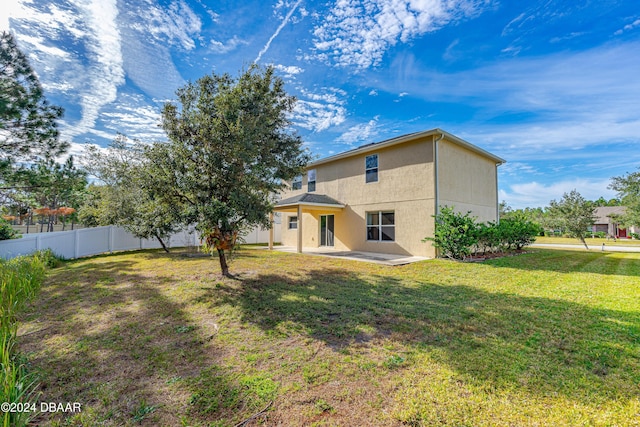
point(373, 257)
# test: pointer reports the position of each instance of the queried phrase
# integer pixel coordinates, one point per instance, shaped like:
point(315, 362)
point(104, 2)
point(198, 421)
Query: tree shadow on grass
point(544, 346)
point(110, 339)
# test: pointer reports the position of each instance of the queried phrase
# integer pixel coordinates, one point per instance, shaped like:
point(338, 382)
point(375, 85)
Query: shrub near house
point(458, 235)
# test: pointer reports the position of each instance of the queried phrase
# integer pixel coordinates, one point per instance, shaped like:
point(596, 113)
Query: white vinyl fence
point(92, 241)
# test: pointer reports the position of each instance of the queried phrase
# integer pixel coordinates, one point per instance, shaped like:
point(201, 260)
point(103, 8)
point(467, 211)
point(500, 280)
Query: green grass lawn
point(546, 338)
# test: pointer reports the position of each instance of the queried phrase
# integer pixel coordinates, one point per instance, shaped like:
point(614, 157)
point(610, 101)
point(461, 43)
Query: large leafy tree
point(230, 150)
point(628, 188)
point(574, 214)
point(28, 124)
point(123, 198)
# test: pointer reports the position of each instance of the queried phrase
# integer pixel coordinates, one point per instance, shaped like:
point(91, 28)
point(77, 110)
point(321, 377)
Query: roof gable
point(439, 133)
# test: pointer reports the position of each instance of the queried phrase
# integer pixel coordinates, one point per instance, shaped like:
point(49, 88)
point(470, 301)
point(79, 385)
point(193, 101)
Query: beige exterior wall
point(467, 181)
point(406, 185)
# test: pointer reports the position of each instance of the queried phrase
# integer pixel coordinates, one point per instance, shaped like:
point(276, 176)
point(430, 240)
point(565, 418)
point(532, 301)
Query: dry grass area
point(544, 338)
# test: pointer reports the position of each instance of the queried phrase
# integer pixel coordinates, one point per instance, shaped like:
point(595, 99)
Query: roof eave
point(323, 205)
point(405, 138)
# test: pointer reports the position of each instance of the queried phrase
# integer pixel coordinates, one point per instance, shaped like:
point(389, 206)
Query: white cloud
point(628, 27)
point(535, 194)
point(517, 168)
point(81, 50)
point(95, 76)
point(231, 44)
point(317, 116)
point(359, 32)
point(361, 132)
point(39, 44)
point(103, 43)
point(373, 92)
point(177, 25)
point(133, 117)
point(320, 111)
point(149, 31)
point(289, 71)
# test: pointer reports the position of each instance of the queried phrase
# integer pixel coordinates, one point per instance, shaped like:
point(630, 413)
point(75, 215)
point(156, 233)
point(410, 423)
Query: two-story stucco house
point(381, 197)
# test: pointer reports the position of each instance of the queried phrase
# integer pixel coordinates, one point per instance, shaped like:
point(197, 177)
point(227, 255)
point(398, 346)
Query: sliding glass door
point(326, 230)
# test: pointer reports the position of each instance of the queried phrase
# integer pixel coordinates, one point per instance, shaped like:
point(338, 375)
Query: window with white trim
point(311, 180)
point(381, 226)
point(371, 168)
point(296, 184)
point(293, 222)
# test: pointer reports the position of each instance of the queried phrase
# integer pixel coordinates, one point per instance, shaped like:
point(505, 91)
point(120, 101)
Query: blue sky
point(552, 86)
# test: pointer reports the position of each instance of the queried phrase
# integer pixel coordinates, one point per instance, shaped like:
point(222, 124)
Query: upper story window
point(371, 168)
point(296, 184)
point(311, 180)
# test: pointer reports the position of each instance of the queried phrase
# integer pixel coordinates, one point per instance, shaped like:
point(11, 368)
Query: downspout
point(497, 194)
point(435, 180)
point(497, 197)
point(435, 172)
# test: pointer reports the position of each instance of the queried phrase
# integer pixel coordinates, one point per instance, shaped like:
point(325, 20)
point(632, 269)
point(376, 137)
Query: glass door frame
point(327, 230)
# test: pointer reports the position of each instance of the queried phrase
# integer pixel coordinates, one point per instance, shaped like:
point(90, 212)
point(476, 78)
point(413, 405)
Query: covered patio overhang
point(304, 203)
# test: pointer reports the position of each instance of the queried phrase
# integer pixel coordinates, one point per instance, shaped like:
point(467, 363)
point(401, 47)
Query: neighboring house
point(607, 222)
point(381, 197)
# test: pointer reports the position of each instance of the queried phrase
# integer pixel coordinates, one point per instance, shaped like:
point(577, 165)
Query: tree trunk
point(223, 262)
point(584, 242)
point(162, 243)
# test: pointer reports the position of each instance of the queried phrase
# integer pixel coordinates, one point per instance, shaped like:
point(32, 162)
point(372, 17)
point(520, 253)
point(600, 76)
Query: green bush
point(49, 258)
point(6, 231)
point(488, 238)
point(458, 235)
point(455, 233)
point(517, 232)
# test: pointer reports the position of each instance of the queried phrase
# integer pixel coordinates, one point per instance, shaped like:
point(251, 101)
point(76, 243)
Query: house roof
point(309, 199)
point(407, 138)
point(603, 213)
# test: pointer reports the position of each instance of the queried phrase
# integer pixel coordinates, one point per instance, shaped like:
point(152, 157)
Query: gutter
point(435, 171)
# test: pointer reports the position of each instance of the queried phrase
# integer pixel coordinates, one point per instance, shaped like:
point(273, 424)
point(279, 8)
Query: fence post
point(110, 238)
point(76, 245)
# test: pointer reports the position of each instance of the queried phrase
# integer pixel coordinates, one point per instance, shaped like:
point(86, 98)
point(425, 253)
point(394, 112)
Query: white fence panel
point(60, 242)
point(122, 240)
point(261, 235)
point(92, 241)
point(185, 238)
point(16, 247)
